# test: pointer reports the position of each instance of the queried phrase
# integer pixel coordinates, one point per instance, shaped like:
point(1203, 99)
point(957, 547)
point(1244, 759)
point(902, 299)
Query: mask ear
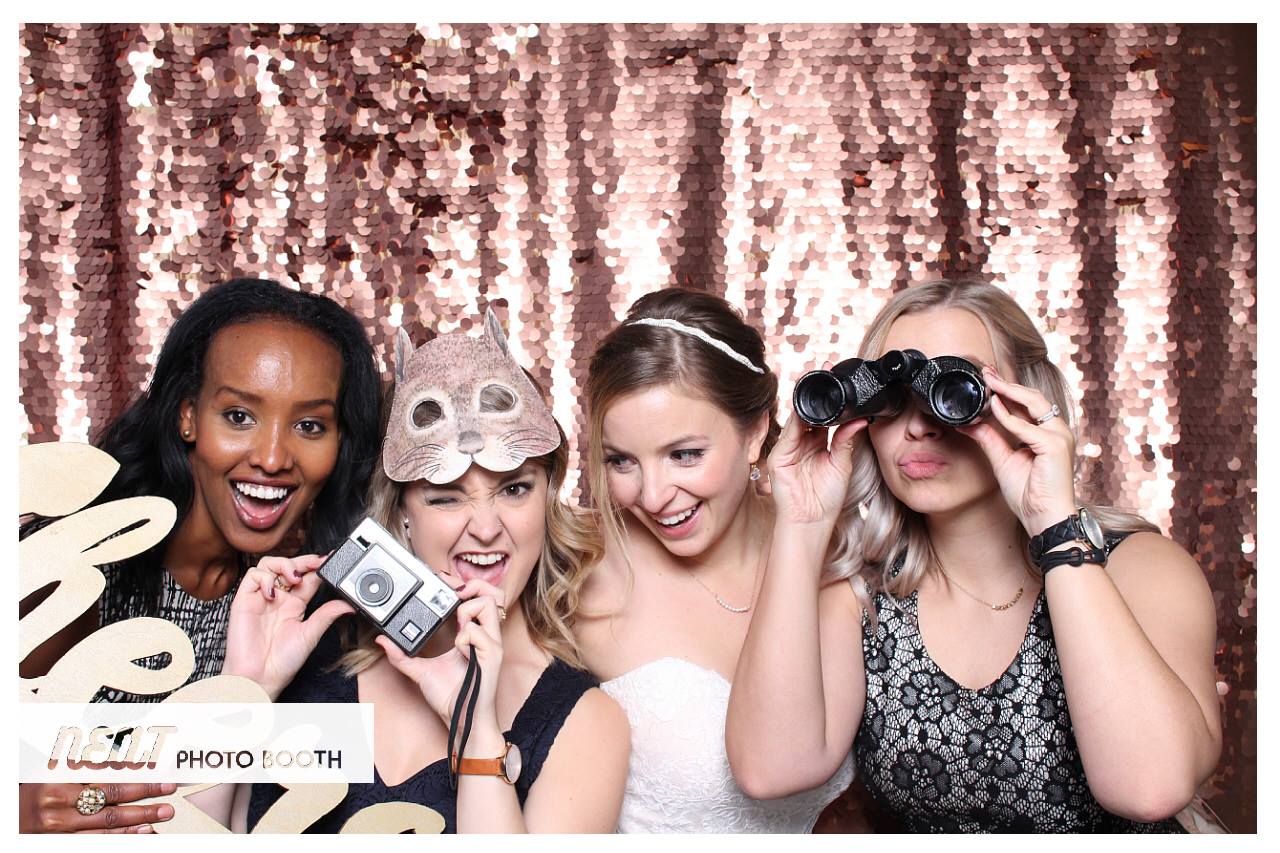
point(493, 330)
point(404, 349)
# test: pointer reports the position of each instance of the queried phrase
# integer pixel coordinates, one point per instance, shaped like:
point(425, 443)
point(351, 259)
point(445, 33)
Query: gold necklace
point(997, 607)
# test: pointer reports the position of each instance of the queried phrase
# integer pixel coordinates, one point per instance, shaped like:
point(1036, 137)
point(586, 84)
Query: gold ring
point(91, 800)
point(281, 583)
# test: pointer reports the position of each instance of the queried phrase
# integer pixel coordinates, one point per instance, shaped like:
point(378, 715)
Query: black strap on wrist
point(467, 696)
point(1071, 557)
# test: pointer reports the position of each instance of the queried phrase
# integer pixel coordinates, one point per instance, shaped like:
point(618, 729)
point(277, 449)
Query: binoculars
point(948, 387)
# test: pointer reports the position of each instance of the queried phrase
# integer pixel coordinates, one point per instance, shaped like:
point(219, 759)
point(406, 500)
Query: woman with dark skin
point(262, 409)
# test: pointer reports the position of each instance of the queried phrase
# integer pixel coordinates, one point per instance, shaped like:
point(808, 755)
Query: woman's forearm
point(777, 708)
point(487, 803)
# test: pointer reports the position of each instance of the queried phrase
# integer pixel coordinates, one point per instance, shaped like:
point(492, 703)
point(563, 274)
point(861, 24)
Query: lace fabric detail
point(946, 758)
point(679, 779)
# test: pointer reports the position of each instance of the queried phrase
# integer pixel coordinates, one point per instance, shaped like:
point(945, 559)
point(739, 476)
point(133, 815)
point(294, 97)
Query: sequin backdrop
point(1104, 175)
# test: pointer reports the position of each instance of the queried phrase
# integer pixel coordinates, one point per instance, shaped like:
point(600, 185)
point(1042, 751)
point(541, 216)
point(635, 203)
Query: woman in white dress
point(682, 413)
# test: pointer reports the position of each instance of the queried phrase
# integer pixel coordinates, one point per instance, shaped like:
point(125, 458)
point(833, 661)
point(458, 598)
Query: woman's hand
point(1036, 469)
point(51, 807)
point(440, 678)
point(267, 639)
point(807, 480)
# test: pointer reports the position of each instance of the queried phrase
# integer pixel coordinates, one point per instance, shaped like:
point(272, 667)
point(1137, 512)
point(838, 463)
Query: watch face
point(512, 762)
point(1092, 530)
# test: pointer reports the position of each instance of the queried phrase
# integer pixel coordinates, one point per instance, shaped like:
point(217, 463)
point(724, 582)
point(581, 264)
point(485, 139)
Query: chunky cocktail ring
point(91, 800)
point(1049, 415)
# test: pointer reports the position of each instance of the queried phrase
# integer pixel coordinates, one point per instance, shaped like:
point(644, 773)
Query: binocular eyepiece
point(949, 388)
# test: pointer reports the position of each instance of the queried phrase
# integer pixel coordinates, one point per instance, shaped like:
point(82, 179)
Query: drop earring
point(755, 472)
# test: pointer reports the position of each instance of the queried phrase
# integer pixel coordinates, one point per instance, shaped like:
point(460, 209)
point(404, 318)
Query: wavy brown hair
point(634, 357)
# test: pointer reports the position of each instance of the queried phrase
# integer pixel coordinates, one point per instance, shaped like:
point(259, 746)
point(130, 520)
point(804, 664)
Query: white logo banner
point(194, 742)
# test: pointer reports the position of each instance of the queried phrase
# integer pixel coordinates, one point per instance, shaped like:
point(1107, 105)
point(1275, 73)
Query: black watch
point(1081, 527)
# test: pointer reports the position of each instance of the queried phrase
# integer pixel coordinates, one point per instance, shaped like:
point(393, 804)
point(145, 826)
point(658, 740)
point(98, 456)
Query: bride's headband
point(684, 329)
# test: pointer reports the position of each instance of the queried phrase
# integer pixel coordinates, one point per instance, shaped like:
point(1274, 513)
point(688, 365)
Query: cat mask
point(459, 400)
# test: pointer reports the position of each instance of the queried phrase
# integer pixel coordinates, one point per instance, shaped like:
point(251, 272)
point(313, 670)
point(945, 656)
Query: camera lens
point(375, 587)
point(957, 397)
point(819, 397)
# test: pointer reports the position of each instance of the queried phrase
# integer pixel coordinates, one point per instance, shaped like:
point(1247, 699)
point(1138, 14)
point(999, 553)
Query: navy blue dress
point(534, 730)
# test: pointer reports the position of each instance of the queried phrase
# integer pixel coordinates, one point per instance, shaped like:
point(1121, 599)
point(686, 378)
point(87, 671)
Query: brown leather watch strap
point(481, 767)
point(484, 766)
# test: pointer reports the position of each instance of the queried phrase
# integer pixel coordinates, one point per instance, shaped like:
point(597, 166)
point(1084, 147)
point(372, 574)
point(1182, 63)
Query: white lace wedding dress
point(679, 779)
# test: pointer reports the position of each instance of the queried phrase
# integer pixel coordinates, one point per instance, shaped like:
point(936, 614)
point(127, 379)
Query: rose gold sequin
point(1104, 175)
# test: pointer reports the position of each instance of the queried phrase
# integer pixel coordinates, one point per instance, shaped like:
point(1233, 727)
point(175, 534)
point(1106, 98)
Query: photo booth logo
point(138, 748)
point(102, 747)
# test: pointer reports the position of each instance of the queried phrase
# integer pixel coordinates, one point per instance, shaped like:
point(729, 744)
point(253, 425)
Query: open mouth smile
point(678, 524)
point(260, 506)
point(489, 566)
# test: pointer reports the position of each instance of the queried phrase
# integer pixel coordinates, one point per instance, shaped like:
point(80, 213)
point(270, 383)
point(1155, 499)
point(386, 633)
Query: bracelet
point(1071, 557)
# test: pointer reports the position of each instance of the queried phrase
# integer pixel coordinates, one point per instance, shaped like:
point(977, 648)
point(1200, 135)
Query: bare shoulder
point(837, 596)
point(605, 587)
point(596, 724)
point(1152, 569)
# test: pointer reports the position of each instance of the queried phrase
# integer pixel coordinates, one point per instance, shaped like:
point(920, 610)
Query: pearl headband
point(683, 329)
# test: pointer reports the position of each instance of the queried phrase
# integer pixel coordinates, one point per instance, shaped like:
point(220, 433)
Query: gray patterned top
point(205, 623)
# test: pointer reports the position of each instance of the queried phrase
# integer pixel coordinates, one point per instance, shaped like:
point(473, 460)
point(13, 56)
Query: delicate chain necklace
point(997, 607)
point(726, 605)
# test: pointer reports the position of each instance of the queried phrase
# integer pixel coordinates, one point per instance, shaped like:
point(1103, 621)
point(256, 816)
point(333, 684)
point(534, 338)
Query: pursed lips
point(921, 465)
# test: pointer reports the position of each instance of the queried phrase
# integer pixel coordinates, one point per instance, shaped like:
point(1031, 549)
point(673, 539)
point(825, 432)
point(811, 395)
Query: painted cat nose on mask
point(470, 441)
point(459, 400)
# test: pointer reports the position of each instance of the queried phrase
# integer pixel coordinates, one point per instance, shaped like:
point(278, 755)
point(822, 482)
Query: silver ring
point(1049, 415)
point(91, 800)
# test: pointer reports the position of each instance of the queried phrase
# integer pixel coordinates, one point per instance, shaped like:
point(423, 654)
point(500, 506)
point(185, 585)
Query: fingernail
point(169, 787)
point(146, 829)
point(165, 811)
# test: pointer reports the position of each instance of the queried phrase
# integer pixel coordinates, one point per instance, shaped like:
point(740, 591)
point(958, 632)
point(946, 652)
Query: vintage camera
point(389, 585)
point(948, 387)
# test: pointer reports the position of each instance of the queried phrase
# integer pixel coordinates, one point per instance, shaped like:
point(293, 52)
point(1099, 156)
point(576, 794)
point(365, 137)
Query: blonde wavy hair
point(550, 600)
point(875, 529)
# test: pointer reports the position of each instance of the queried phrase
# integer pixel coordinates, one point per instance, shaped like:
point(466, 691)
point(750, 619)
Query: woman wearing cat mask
point(471, 467)
point(682, 407)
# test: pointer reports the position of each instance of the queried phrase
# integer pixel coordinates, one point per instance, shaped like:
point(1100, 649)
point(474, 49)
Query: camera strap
point(467, 696)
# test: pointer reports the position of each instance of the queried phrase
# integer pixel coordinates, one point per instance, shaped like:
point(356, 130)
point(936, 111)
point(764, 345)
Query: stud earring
point(186, 433)
point(755, 471)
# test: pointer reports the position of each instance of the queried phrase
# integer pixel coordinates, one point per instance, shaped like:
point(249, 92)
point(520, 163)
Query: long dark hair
point(153, 457)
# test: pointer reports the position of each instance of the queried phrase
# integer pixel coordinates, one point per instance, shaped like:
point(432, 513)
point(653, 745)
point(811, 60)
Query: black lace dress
point(945, 758)
point(534, 730)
